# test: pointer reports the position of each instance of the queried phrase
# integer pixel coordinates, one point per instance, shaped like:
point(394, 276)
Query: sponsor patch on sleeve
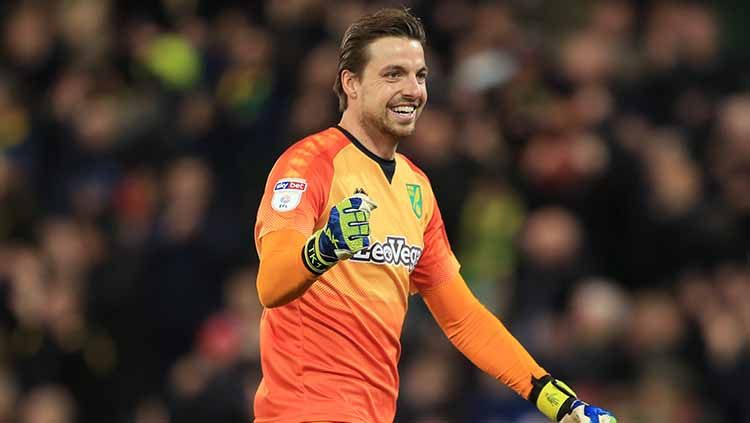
point(287, 194)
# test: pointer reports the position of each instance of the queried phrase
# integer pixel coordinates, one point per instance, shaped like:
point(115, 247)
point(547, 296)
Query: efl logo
point(287, 194)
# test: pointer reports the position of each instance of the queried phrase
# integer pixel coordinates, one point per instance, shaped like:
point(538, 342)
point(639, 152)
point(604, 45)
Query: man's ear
point(350, 83)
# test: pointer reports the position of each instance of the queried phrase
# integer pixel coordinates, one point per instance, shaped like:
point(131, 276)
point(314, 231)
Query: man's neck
point(376, 142)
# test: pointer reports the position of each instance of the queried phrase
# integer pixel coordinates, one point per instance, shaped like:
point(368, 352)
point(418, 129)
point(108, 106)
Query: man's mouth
point(404, 112)
point(404, 109)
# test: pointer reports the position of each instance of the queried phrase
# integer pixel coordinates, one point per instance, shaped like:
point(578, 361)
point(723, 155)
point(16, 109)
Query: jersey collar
point(388, 166)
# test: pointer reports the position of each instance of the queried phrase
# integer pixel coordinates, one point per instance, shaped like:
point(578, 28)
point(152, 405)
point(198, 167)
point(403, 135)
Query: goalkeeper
point(346, 230)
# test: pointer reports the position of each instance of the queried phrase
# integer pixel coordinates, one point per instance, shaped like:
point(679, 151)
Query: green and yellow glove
point(559, 403)
point(347, 231)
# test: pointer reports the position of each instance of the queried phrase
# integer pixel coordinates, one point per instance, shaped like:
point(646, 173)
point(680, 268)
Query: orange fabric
point(282, 277)
point(309, 161)
point(480, 336)
point(332, 353)
point(437, 264)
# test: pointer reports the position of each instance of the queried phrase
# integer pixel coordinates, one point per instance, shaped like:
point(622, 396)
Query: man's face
point(393, 86)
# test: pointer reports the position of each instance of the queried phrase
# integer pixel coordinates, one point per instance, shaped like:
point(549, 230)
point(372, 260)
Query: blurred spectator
point(429, 388)
point(732, 161)
point(491, 220)
point(83, 30)
point(30, 46)
point(151, 411)
point(588, 340)
point(215, 382)
point(656, 326)
point(9, 396)
point(48, 404)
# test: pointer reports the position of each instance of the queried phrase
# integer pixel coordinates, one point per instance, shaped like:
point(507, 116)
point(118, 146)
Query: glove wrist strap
point(552, 397)
point(314, 261)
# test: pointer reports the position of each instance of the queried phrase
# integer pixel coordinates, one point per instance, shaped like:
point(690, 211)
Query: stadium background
point(592, 161)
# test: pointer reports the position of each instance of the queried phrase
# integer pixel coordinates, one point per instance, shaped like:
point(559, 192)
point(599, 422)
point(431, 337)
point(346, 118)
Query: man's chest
point(397, 225)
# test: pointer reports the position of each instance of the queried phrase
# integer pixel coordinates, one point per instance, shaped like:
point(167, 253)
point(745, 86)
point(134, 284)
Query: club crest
point(415, 197)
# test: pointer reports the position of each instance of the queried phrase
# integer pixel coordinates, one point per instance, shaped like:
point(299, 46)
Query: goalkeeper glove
point(347, 231)
point(559, 403)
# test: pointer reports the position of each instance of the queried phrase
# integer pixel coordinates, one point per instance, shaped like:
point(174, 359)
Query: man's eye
point(393, 74)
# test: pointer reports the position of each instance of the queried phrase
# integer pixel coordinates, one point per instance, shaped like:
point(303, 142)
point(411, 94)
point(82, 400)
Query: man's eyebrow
point(387, 68)
point(402, 68)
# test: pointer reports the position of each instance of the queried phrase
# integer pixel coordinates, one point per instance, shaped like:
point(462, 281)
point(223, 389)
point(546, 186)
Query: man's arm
point(282, 277)
point(482, 338)
point(289, 263)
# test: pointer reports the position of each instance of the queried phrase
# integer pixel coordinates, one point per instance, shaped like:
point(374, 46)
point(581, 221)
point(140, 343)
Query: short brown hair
point(389, 22)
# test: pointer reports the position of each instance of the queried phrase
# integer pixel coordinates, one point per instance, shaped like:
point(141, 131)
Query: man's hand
point(559, 403)
point(581, 412)
point(347, 231)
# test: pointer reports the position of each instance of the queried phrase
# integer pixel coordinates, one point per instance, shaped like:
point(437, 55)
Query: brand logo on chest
point(394, 251)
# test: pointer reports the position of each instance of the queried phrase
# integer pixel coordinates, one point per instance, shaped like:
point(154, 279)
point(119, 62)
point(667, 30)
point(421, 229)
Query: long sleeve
point(480, 336)
point(282, 277)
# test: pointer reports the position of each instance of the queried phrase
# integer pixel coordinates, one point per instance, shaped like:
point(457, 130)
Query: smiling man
point(335, 273)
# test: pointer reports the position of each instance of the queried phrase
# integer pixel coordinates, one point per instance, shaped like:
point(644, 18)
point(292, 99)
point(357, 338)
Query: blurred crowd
point(591, 160)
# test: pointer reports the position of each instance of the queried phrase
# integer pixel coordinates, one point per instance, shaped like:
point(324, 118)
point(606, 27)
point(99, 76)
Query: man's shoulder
point(323, 145)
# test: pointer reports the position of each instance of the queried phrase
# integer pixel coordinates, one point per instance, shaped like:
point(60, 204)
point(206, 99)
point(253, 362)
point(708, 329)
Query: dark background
point(591, 159)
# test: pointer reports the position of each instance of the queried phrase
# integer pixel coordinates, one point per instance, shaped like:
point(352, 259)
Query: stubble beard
point(380, 124)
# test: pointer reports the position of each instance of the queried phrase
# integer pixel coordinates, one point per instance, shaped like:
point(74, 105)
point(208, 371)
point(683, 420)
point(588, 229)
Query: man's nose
point(411, 87)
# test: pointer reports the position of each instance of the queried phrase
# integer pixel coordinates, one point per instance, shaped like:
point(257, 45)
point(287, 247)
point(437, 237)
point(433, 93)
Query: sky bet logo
point(287, 194)
point(290, 185)
point(394, 251)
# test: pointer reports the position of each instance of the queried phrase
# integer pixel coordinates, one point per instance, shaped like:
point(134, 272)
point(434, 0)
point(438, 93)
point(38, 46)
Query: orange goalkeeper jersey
point(332, 354)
